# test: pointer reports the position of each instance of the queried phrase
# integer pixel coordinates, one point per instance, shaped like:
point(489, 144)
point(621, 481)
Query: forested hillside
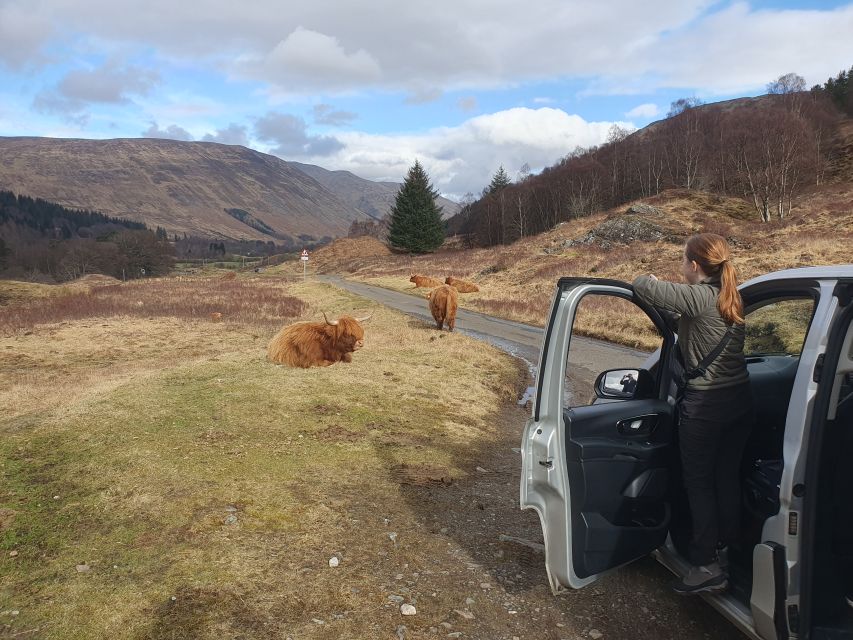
point(41, 238)
point(767, 150)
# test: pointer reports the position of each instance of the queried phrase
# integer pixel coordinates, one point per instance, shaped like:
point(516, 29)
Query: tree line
point(188, 247)
point(765, 150)
point(39, 238)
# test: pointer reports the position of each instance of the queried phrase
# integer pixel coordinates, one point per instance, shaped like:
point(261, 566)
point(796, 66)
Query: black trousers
point(714, 426)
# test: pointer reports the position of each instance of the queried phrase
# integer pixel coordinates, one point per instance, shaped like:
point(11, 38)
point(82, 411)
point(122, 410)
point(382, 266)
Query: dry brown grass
point(253, 301)
point(13, 292)
point(517, 281)
point(345, 253)
point(206, 489)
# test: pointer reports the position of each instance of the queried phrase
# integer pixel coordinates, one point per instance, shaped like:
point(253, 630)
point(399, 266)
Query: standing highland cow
point(317, 344)
point(442, 303)
point(462, 286)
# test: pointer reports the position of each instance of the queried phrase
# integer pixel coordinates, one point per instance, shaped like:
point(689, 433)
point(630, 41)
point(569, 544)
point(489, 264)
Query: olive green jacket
point(700, 328)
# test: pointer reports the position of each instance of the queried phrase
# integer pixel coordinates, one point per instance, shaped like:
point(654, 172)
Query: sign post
point(304, 259)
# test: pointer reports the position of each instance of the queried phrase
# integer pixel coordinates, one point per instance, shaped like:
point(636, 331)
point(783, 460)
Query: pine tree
point(499, 181)
point(416, 223)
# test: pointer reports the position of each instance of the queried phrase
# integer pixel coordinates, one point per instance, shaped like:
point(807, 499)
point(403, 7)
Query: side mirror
point(624, 384)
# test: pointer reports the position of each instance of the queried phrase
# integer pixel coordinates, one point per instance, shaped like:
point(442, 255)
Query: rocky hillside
point(184, 187)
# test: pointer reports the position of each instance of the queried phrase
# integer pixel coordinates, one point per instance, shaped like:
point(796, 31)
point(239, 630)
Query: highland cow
point(317, 344)
point(462, 286)
point(442, 304)
point(424, 281)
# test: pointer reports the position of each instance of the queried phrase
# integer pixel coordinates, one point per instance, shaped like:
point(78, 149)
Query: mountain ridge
point(184, 187)
point(372, 197)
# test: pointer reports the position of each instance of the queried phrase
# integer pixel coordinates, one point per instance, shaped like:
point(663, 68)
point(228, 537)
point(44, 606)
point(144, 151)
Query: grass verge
point(161, 479)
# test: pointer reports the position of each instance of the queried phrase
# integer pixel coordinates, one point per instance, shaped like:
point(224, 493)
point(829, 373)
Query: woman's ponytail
point(711, 252)
point(729, 302)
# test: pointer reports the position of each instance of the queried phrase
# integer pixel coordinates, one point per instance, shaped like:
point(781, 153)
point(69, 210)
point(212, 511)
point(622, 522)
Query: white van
point(600, 463)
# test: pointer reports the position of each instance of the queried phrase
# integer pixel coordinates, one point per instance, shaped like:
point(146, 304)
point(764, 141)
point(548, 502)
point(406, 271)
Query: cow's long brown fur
point(442, 304)
point(316, 344)
point(462, 286)
point(424, 281)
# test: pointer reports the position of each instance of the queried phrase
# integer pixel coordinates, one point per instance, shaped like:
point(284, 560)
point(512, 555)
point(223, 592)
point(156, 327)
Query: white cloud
point(232, 134)
point(312, 60)
point(742, 49)
point(423, 95)
point(172, 132)
point(467, 103)
point(543, 100)
point(328, 115)
point(391, 45)
point(647, 110)
point(461, 159)
point(111, 82)
point(291, 139)
point(23, 32)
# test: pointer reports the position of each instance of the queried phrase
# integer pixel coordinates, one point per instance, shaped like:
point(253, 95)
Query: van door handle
point(638, 425)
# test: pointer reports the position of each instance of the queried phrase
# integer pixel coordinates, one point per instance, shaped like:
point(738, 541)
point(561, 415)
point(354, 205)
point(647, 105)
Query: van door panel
point(600, 490)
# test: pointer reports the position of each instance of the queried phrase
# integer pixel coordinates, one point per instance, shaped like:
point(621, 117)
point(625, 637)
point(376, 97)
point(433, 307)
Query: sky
point(463, 86)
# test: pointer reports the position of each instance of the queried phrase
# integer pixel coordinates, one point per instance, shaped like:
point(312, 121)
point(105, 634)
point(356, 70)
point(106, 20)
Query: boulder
point(641, 208)
point(620, 230)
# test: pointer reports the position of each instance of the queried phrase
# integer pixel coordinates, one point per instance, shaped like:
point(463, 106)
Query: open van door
point(598, 474)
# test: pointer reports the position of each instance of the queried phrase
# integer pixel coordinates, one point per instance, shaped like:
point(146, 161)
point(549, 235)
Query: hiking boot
point(704, 579)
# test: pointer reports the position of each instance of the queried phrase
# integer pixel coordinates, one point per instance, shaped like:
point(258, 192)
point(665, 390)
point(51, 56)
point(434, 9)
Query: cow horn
point(365, 318)
point(334, 324)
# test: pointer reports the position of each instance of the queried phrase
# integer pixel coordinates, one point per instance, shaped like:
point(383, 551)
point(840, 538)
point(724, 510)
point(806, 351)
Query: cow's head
point(347, 332)
point(414, 277)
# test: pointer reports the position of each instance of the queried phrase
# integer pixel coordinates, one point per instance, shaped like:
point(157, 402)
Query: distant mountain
point(373, 198)
point(198, 188)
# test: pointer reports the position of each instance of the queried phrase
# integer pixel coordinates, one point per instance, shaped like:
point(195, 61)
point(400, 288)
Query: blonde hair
point(711, 252)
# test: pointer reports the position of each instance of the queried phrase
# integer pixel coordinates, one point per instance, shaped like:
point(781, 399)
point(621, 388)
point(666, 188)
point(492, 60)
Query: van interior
point(831, 602)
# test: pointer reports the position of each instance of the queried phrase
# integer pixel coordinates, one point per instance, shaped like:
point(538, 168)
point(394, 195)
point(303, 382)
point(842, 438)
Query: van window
point(778, 327)
point(609, 332)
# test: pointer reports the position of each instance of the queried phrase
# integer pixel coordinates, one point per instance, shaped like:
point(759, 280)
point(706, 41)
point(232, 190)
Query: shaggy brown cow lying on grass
point(442, 303)
point(462, 286)
point(424, 281)
point(317, 344)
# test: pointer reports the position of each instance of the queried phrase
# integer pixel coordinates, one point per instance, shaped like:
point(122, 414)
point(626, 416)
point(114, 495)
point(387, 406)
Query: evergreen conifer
point(499, 181)
point(416, 223)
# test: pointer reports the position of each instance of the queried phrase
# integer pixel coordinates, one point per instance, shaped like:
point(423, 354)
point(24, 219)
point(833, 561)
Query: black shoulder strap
point(702, 368)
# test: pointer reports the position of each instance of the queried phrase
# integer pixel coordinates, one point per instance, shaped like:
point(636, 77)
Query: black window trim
point(566, 283)
point(812, 292)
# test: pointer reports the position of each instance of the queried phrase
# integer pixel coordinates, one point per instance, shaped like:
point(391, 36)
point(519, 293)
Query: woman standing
point(715, 411)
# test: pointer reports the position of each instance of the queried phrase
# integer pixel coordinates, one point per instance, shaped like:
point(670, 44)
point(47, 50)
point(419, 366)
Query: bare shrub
point(259, 303)
point(716, 226)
